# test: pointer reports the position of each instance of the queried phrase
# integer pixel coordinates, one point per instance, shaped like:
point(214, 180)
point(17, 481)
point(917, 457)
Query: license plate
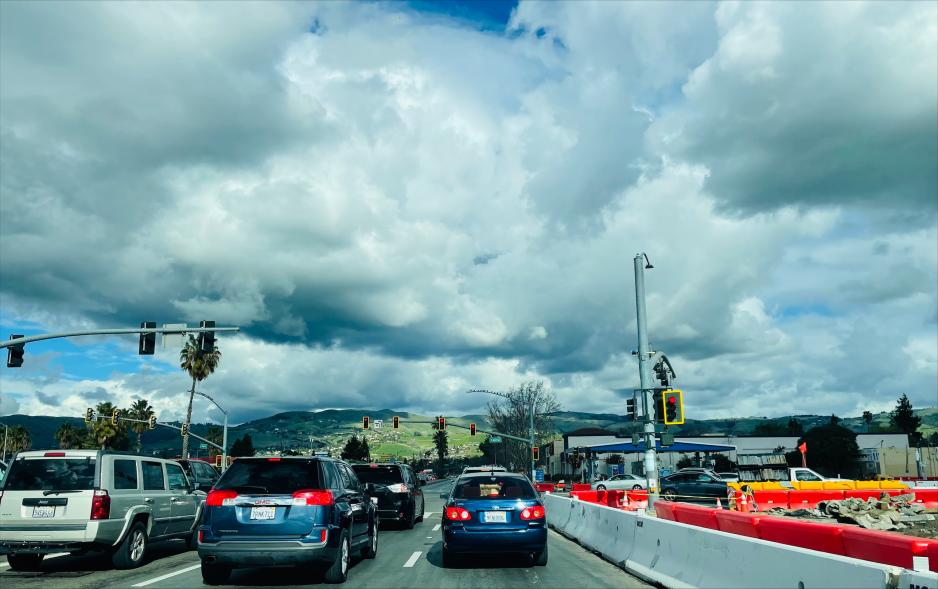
point(374, 500)
point(263, 512)
point(44, 511)
point(496, 517)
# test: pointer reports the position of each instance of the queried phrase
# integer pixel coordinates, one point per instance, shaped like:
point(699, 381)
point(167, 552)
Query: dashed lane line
point(427, 514)
point(167, 576)
point(436, 527)
point(412, 560)
point(4, 565)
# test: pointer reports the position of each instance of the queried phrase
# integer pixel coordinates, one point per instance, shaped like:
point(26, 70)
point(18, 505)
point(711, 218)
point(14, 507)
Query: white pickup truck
point(802, 475)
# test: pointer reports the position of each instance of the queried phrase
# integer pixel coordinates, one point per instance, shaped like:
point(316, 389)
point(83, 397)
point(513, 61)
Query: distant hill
point(329, 429)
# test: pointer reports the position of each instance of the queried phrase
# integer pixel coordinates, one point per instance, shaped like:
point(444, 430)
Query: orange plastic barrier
point(734, 522)
point(695, 515)
point(884, 547)
point(640, 495)
point(541, 487)
point(932, 551)
point(810, 499)
point(927, 497)
point(665, 510)
point(615, 498)
point(768, 499)
point(822, 537)
point(581, 487)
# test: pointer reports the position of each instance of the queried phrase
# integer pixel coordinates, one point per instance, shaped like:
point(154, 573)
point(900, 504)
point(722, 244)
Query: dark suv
point(286, 511)
point(201, 474)
point(397, 490)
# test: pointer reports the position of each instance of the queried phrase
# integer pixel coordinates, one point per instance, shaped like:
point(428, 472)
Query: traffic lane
point(93, 570)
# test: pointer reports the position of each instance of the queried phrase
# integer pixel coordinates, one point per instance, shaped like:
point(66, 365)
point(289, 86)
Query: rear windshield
point(47, 474)
point(280, 477)
point(494, 487)
point(380, 475)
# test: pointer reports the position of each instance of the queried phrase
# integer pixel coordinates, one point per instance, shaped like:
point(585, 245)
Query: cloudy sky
point(397, 202)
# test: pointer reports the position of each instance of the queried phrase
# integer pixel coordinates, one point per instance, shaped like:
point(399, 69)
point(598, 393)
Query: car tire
point(25, 562)
point(449, 559)
point(132, 550)
point(371, 550)
point(215, 574)
point(192, 541)
point(600, 487)
point(423, 507)
point(338, 571)
point(636, 487)
point(411, 520)
point(540, 558)
point(669, 495)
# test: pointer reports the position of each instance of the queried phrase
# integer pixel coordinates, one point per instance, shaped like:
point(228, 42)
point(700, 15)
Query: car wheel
point(133, 549)
point(371, 550)
point(215, 574)
point(409, 522)
point(192, 542)
point(449, 559)
point(540, 558)
point(338, 572)
point(24, 562)
point(423, 507)
point(636, 487)
point(600, 487)
point(669, 495)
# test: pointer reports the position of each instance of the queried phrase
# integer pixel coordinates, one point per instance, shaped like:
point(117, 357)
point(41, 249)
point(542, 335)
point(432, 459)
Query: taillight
point(201, 536)
point(398, 488)
point(219, 498)
point(457, 514)
point(312, 497)
point(100, 505)
point(54, 454)
point(529, 513)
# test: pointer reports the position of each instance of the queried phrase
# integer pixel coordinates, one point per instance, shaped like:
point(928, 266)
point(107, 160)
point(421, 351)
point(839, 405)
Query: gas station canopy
point(628, 447)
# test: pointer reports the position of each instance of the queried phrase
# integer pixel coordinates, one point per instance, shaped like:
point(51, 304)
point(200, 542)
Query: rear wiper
point(48, 492)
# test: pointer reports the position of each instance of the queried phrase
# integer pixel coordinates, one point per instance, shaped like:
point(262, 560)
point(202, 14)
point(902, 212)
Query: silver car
point(628, 482)
point(81, 500)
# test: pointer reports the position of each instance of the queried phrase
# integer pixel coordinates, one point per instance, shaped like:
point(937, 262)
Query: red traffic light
point(366, 422)
point(440, 423)
point(672, 400)
point(472, 429)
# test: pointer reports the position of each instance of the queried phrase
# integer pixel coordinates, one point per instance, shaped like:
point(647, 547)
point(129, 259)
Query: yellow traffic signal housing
point(535, 453)
point(152, 422)
point(89, 415)
point(184, 430)
point(115, 416)
point(673, 402)
point(472, 429)
point(218, 460)
point(441, 423)
point(396, 422)
point(366, 422)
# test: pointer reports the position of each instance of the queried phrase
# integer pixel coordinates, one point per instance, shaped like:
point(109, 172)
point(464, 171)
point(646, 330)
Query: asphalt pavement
point(406, 558)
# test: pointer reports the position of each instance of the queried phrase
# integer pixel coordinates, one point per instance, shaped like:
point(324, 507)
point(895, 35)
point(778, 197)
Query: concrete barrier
point(679, 555)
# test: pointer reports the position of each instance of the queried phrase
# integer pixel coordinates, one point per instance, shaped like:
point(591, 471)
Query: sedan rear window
point(46, 474)
point(494, 487)
point(379, 475)
point(271, 477)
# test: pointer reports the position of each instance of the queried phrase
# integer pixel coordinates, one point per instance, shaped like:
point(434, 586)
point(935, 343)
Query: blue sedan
point(494, 512)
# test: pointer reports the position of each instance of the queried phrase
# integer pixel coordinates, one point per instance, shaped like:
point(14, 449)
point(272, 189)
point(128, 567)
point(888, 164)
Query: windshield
point(273, 477)
point(494, 487)
point(47, 474)
point(379, 475)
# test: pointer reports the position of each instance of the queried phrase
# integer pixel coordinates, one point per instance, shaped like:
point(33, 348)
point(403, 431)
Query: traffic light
point(207, 338)
point(472, 429)
point(658, 403)
point(152, 422)
point(218, 461)
point(661, 373)
point(396, 422)
point(366, 422)
point(630, 409)
point(147, 343)
point(673, 407)
point(115, 416)
point(184, 430)
point(535, 453)
point(441, 423)
point(89, 415)
point(15, 353)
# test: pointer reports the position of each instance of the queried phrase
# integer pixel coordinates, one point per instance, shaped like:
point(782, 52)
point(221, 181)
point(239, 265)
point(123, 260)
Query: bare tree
point(511, 415)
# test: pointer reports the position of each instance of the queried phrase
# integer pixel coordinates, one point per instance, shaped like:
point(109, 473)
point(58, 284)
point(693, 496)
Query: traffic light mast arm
point(134, 330)
point(478, 430)
point(175, 427)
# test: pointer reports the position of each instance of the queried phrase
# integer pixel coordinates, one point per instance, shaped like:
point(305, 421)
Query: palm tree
point(19, 439)
point(199, 365)
point(68, 436)
point(142, 410)
point(104, 433)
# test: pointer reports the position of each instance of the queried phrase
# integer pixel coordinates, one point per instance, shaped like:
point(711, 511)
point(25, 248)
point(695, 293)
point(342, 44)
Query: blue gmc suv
point(286, 511)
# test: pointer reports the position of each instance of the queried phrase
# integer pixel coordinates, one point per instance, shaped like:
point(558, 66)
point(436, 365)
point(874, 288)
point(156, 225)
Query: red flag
point(803, 447)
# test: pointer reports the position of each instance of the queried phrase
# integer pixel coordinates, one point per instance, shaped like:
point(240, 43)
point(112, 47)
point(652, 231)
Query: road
point(406, 558)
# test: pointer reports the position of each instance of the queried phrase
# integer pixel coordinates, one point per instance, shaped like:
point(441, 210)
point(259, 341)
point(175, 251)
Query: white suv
point(80, 500)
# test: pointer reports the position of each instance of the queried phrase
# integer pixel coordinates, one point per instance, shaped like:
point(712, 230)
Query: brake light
point(54, 454)
point(100, 505)
point(219, 498)
point(457, 514)
point(201, 536)
point(398, 488)
point(273, 460)
point(529, 513)
point(312, 497)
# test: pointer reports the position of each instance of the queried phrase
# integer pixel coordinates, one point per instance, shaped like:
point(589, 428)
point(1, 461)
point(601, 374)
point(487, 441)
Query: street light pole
point(224, 435)
point(644, 358)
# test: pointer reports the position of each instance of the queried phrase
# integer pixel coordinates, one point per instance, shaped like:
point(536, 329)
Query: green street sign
point(203, 446)
point(495, 440)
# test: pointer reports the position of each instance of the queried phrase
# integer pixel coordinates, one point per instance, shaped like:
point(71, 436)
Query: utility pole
point(644, 366)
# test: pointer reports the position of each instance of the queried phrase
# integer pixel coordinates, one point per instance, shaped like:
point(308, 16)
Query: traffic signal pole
point(644, 373)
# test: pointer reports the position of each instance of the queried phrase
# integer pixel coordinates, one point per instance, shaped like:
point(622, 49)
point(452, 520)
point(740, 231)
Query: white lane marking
point(436, 527)
point(167, 576)
point(412, 560)
point(48, 556)
point(427, 513)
